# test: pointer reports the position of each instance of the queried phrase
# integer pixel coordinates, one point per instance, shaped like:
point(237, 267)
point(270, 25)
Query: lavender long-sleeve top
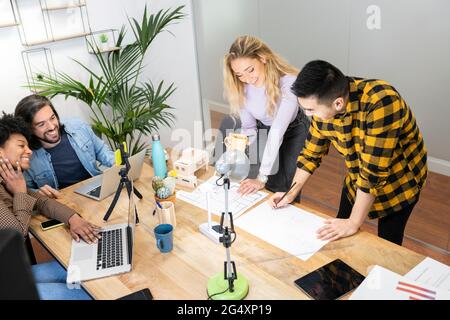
point(255, 109)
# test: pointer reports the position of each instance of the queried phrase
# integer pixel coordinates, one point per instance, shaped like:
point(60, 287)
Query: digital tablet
point(143, 294)
point(331, 281)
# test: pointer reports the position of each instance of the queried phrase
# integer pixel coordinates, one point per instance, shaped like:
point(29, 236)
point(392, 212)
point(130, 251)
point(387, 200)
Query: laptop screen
point(136, 164)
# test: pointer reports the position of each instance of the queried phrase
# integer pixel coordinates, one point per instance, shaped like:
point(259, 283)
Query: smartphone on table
point(50, 224)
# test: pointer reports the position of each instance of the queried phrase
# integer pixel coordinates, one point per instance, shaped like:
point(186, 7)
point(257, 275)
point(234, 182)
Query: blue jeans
point(50, 280)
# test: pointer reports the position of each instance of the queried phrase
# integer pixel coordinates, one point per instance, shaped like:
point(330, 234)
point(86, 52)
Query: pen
point(284, 195)
point(159, 205)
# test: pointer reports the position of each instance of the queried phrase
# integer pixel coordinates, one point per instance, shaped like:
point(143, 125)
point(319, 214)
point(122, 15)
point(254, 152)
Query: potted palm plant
point(124, 107)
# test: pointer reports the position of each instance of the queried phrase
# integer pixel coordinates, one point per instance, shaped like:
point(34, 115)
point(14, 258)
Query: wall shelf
point(54, 39)
point(8, 24)
point(10, 15)
point(62, 7)
point(102, 41)
point(51, 23)
point(38, 62)
point(108, 49)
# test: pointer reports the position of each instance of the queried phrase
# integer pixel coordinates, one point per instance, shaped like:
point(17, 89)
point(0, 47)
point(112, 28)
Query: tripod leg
point(137, 193)
point(113, 203)
point(128, 184)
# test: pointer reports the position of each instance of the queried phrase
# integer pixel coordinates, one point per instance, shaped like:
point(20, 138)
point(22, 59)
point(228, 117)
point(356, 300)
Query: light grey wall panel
point(412, 51)
point(306, 30)
point(217, 24)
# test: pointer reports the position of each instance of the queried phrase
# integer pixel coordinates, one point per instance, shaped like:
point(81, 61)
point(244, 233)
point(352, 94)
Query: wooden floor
point(428, 228)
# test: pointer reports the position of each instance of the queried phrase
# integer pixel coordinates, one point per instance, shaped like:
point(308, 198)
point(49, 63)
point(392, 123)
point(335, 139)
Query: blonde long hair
point(274, 68)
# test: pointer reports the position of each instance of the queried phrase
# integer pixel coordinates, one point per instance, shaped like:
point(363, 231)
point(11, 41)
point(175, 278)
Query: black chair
point(16, 278)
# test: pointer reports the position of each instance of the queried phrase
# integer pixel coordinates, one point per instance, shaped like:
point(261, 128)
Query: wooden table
point(184, 272)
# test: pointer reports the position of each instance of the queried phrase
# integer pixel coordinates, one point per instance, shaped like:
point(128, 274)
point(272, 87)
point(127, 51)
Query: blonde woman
point(257, 84)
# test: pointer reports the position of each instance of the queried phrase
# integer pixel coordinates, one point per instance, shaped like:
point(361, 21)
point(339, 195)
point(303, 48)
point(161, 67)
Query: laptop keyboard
point(109, 252)
point(95, 192)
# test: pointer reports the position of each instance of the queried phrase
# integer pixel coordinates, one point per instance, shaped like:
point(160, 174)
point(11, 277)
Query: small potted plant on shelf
point(103, 38)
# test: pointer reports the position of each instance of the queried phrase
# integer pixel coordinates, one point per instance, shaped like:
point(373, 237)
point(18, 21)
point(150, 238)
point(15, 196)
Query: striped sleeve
point(384, 123)
point(316, 146)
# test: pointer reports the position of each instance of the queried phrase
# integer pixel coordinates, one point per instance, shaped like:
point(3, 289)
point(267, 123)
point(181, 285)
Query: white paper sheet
point(431, 272)
point(383, 284)
point(290, 228)
point(237, 204)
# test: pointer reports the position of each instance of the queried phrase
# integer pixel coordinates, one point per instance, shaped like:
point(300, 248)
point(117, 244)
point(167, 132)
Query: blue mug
point(164, 237)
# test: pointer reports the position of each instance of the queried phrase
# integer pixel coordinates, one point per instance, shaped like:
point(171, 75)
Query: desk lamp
point(229, 284)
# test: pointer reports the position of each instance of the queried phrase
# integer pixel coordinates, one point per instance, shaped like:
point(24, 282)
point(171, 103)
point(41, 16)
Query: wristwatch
point(262, 178)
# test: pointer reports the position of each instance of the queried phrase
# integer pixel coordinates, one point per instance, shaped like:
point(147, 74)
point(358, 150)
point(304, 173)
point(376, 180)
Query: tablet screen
point(331, 281)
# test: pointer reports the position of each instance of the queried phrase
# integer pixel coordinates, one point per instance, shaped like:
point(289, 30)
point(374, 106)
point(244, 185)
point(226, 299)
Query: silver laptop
point(106, 184)
point(111, 255)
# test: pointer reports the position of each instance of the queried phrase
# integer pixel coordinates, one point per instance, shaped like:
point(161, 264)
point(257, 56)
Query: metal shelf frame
point(93, 41)
point(31, 72)
point(46, 12)
point(15, 21)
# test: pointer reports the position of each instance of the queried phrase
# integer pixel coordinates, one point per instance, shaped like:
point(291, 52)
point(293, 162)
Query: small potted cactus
point(164, 189)
point(103, 39)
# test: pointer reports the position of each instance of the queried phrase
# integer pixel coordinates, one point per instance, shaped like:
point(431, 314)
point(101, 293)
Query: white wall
point(218, 23)
point(170, 58)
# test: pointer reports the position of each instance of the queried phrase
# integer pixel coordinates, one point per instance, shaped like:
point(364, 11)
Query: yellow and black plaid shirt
point(381, 143)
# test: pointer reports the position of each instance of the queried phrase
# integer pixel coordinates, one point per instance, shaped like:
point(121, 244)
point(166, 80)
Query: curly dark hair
point(9, 125)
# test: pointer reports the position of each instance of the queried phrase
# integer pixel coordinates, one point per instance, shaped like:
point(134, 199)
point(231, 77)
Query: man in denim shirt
point(64, 153)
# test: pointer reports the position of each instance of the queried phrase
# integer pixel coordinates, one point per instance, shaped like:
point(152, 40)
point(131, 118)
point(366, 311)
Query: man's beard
point(44, 139)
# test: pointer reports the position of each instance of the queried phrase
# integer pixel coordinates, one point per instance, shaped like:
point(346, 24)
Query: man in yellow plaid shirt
point(372, 127)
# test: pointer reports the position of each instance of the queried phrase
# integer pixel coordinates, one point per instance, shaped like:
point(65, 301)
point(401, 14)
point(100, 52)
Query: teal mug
point(164, 237)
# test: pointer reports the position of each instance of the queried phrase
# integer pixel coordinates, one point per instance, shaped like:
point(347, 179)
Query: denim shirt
point(88, 147)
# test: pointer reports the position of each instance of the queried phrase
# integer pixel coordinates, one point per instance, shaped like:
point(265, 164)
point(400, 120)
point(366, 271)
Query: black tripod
point(229, 273)
point(124, 181)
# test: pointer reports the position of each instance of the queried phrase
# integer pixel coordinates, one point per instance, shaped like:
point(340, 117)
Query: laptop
point(111, 255)
point(106, 184)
